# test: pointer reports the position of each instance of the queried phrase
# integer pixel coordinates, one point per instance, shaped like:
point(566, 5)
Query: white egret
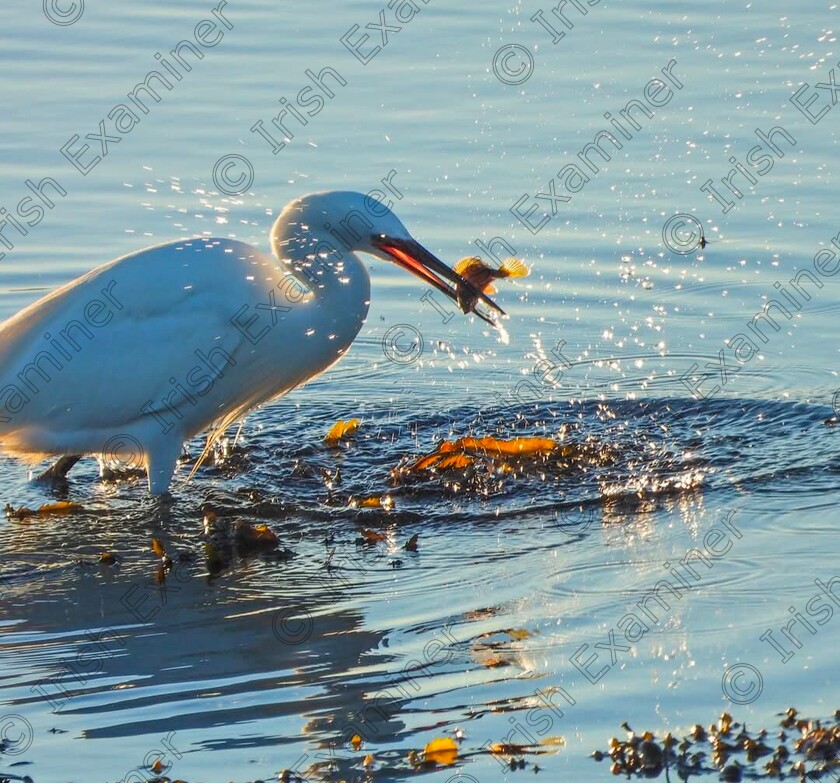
point(140, 354)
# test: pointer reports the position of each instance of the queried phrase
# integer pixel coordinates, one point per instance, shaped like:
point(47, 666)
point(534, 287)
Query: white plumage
point(157, 346)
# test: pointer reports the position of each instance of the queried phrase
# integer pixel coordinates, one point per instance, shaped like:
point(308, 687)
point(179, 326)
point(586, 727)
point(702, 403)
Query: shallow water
point(247, 664)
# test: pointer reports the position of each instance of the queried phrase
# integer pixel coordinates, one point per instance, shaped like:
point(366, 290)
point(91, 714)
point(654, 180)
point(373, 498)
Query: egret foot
point(57, 473)
point(164, 503)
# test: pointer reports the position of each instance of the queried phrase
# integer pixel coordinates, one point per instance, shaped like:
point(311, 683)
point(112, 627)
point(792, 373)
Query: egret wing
point(127, 335)
point(135, 361)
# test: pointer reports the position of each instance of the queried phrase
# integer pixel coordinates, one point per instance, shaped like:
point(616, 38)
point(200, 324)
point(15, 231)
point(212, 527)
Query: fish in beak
point(413, 257)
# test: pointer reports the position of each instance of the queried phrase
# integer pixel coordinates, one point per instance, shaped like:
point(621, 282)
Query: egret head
point(346, 220)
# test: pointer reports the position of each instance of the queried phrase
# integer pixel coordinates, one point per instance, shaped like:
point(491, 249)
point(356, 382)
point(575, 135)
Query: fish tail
point(513, 267)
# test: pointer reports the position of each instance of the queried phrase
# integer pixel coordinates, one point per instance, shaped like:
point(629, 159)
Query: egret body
point(143, 353)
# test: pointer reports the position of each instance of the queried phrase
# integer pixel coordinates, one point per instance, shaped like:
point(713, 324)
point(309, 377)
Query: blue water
point(272, 662)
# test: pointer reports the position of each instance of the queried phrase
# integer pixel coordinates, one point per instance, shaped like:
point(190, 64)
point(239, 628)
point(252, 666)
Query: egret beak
point(414, 258)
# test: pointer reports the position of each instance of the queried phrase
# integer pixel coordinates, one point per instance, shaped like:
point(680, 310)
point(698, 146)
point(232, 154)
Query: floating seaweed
point(48, 509)
point(341, 431)
point(728, 749)
point(482, 464)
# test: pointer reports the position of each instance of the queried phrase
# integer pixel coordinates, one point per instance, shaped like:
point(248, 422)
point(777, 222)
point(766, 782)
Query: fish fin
point(513, 267)
point(465, 264)
point(490, 289)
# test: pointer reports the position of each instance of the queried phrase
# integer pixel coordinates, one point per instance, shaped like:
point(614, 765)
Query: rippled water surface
point(236, 663)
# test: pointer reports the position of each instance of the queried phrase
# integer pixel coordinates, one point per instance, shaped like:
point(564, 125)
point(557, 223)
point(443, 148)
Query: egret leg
point(59, 470)
point(161, 461)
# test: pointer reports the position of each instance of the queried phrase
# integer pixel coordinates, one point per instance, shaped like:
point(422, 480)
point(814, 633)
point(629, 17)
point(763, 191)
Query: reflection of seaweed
point(644, 756)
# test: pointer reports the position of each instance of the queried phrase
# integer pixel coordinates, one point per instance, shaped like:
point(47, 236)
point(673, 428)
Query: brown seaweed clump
point(732, 752)
point(472, 462)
